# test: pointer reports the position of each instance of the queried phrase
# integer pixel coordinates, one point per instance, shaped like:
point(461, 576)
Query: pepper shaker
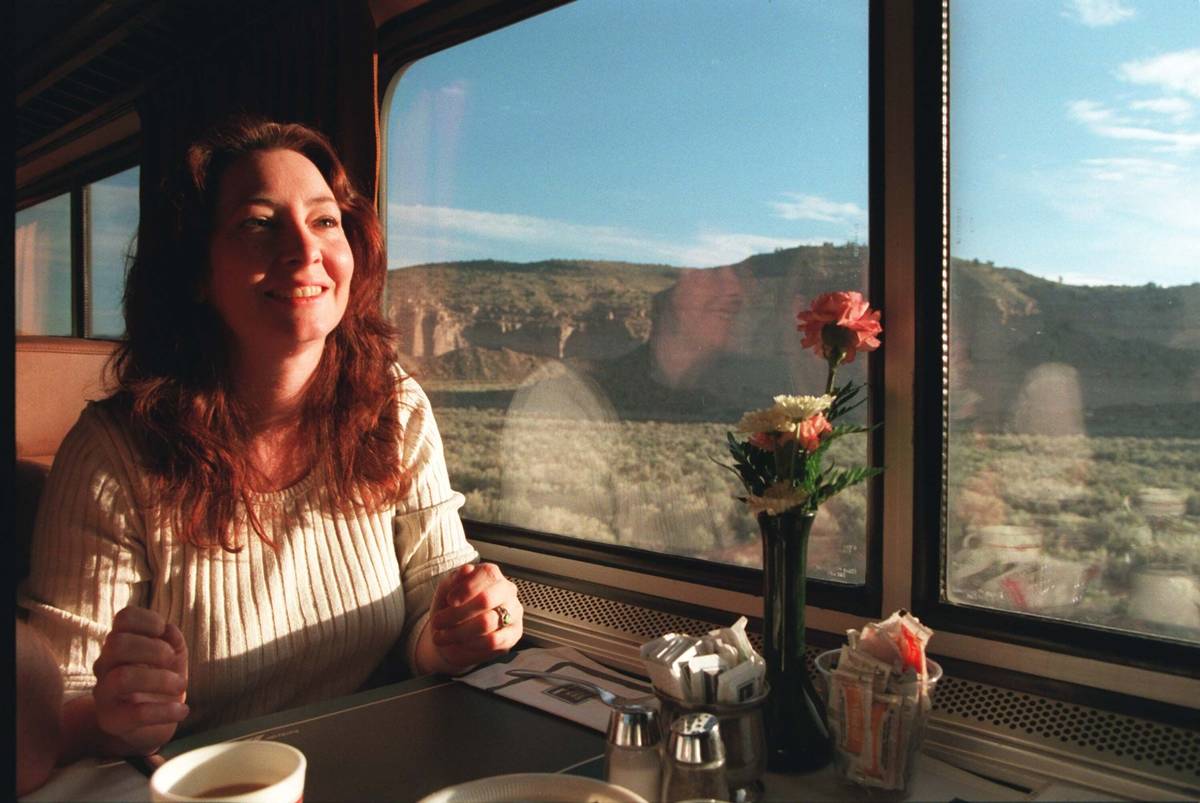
point(632, 752)
point(695, 763)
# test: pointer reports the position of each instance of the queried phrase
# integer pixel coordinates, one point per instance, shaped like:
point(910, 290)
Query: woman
point(261, 511)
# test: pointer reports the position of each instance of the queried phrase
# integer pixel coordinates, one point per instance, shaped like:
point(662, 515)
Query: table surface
point(415, 738)
point(404, 741)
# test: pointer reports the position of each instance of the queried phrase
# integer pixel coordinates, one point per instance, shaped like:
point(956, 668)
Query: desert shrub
point(656, 485)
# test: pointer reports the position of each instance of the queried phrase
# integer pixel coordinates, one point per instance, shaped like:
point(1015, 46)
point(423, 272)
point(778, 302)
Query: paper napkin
point(565, 700)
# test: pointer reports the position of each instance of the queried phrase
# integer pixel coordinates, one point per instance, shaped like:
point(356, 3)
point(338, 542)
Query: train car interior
point(606, 222)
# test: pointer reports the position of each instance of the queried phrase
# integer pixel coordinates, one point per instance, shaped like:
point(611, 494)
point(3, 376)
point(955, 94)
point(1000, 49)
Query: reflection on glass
point(43, 268)
point(113, 213)
point(602, 223)
point(1074, 473)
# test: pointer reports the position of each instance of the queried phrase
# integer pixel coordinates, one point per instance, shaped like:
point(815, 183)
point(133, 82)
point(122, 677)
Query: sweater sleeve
point(427, 529)
point(88, 556)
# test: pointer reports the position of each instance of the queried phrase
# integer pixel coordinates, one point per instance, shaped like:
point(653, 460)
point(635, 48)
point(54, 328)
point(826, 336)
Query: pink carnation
point(841, 321)
point(768, 441)
point(810, 430)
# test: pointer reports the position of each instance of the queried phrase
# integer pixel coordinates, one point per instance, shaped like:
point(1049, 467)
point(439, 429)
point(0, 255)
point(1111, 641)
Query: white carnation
point(798, 408)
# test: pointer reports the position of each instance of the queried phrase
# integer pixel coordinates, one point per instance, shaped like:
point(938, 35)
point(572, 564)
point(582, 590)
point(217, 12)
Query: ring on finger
point(504, 616)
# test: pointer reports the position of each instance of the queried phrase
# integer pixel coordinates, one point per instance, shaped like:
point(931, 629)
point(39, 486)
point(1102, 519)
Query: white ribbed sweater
point(265, 629)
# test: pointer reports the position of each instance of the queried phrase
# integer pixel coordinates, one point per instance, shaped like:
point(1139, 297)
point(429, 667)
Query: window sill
point(1040, 748)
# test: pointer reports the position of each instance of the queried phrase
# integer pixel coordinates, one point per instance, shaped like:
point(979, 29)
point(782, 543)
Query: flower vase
point(797, 736)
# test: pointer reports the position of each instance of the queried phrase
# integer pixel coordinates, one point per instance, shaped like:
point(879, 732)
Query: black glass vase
point(797, 737)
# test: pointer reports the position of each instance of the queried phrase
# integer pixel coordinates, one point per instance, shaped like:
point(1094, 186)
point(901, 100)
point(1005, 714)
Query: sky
point(1075, 130)
point(113, 218)
point(698, 133)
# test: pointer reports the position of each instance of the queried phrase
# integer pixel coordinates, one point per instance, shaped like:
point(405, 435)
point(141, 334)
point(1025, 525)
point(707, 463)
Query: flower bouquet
point(780, 460)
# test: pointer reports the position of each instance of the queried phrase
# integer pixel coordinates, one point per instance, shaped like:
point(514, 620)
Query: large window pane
point(1075, 312)
point(113, 219)
point(601, 223)
point(43, 268)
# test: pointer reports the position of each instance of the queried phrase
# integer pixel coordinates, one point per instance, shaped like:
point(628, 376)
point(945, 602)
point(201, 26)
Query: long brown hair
point(172, 371)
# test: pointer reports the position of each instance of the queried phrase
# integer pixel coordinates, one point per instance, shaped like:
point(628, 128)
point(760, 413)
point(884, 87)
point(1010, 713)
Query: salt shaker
point(631, 755)
point(695, 762)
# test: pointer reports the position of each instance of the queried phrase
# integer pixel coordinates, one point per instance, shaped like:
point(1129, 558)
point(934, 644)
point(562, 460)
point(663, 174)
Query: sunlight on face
point(280, 264)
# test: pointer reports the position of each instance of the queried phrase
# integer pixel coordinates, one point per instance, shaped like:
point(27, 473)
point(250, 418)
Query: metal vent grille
point(631, 620)
point(1114, 735)
point(1102, 740)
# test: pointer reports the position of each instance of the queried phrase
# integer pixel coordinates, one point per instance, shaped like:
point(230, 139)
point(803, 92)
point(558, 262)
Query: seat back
point(55, 378)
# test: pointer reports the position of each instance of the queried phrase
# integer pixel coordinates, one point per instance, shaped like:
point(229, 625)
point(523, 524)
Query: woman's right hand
point(141, 683)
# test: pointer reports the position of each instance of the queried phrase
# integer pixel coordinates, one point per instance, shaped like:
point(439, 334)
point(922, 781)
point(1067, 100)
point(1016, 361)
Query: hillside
point(1131, 348)
point(532, 308)
point(683, 342)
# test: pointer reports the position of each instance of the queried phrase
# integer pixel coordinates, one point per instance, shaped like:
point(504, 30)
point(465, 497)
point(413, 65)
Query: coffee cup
point(997, 544)
point(243, 772)
point(1010, 542)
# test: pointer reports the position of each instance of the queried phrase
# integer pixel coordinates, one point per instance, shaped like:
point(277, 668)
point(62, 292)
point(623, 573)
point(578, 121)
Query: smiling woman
point(199, 559)
point(602, 221)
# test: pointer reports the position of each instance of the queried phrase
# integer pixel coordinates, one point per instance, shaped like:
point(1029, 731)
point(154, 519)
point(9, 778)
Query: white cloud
point(1140, 214)
point(1105, 122)
point(725, 249)
point(1084, 279)
point(1178, 71)
point(1130, 168)
point(1091, 112)
point(814, 207)
point(509, 227)
point(1098, 13)
point(420, 233)
point(1176, 108)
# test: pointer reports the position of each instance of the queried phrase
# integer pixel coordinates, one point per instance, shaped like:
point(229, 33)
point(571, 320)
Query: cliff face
point(1020, 343)
point(1021, 347)
point(556, 309)
point(430, 330)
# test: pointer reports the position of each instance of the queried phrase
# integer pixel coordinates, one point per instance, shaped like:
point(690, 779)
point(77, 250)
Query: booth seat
point(55, 378)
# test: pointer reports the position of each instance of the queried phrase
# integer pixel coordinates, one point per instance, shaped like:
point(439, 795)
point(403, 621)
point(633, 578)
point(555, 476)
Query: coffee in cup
point(243, 772)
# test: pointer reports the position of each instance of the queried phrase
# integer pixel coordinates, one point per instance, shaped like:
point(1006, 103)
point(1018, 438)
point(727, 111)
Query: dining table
point(406, 740)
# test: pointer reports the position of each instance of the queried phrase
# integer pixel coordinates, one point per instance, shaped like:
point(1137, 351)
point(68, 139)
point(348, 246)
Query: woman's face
point(279, 262)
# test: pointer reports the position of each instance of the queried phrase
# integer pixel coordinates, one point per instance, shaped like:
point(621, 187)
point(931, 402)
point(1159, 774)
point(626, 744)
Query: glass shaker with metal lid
point(695, 760)
point(632, 754)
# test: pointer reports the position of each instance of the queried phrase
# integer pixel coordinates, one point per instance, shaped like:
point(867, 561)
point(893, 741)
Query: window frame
point(909, 237)
point(75, 181)
point(425, 31)
point(933, 238)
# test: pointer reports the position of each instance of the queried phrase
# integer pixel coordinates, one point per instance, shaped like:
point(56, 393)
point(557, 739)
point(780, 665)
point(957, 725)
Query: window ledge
point(1041, 748)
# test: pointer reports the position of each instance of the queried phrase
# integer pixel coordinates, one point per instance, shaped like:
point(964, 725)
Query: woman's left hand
point(475, 615)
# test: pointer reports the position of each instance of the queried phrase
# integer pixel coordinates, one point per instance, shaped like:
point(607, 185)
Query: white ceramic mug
point(1007, 543)
point(244, 772)
point(994, 544)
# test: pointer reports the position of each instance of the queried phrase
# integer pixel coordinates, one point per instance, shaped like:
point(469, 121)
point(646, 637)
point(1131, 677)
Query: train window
point(43, 268)
point(1074, 372)
point(112, 218)
point(71, 252)
point(602, 222)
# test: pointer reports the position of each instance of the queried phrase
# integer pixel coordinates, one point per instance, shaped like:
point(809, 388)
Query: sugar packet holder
point(871, 729)
point(720, 667)
point(878, 699)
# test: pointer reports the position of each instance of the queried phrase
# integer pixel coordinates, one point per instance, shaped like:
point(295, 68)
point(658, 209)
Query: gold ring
point(505, 616)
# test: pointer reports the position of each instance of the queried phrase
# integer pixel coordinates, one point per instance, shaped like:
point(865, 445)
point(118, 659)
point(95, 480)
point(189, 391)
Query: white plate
point(534, 786)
